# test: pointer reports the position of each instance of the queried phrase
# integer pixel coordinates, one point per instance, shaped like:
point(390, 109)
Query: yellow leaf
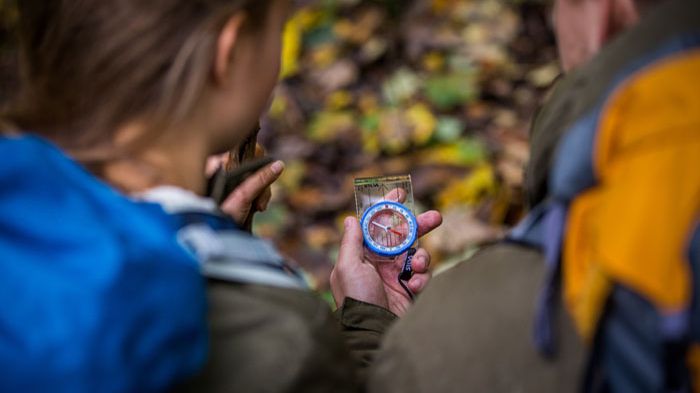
point(344, 29)
point(325, 126)
point(308, 18)
point(324, 55)
point(370, 143)
point(278, 106)
point(470, 190)
point(423, 122)
point(291, 178)
point(292, 38)
point(291, 48)
point(362, 29)
point(433, 61)
point(439, 6)
point(368, 102)
point(338, 100)
point(464, 152)
point(545, 75)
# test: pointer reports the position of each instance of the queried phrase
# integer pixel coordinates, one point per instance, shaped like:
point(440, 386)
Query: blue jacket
point(96, 294)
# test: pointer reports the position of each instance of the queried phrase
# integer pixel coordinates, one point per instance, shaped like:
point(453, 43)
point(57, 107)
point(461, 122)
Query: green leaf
point(448, 91)
point(449, 129)
point(403, 85)
point(322, 34)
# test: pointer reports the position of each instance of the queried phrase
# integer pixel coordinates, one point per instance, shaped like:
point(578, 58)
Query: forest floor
point(443, 90)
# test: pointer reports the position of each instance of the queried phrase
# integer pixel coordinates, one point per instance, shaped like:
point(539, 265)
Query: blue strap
point(544, 334)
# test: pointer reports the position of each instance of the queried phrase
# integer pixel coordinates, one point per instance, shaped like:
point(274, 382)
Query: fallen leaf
point(326, 126)
point(420, 118)
point(449, 129)
point(464, 152)
point(394, 133)
point(450, 90)
point(341, 74)
point(401, 86)
point(469, 190)
point(545, 75)
point(322, 56)
point(338, 100)
point(460, 230)
point(433, 61)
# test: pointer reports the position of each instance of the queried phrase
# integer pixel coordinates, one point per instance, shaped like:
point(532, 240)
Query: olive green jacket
point(272, 339)
point(470, 331)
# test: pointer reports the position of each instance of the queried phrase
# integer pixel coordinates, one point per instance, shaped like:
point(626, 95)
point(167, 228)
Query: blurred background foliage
point(443, 90)
point(8, 56)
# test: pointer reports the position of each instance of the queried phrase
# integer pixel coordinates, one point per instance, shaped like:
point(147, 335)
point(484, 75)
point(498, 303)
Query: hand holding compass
point(365, 276)
point(378, 249)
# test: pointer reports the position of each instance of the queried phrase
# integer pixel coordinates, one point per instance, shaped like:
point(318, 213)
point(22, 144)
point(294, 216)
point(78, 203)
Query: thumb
point(351, 247)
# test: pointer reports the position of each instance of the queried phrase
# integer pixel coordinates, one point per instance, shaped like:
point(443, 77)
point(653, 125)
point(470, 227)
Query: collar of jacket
point(580, 91)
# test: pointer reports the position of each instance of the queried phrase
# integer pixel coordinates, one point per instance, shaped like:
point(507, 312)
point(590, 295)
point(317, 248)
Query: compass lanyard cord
point(407, 272)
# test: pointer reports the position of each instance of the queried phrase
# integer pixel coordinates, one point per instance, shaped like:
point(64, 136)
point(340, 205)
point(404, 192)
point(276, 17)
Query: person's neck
point(176, 162)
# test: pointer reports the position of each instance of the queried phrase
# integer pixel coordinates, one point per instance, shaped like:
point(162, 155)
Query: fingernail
point(347, 222)
point(277, 167)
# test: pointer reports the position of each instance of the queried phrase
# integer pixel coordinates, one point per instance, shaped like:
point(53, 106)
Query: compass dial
point(389, 228)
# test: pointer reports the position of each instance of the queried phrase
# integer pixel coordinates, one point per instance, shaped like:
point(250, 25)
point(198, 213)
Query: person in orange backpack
point(606, 266)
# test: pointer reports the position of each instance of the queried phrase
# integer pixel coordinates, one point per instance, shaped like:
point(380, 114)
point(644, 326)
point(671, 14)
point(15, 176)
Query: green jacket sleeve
point(270, 339)
point(363, 326)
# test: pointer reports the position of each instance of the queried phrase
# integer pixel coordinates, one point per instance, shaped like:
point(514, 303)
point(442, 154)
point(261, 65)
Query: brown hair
point(90, 66)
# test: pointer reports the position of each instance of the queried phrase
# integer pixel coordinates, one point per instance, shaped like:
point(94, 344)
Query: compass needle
point(394, 231)
point(385, 228)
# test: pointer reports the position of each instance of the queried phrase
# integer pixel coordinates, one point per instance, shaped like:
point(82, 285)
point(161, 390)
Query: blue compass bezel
point(410, 239)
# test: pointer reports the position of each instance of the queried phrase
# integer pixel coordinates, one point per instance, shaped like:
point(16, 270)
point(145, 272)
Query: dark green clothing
point(363, 326)
point(470, 331)
point(270, 339)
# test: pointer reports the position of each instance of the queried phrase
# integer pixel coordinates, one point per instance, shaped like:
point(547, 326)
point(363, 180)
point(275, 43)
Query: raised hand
point(253, 194)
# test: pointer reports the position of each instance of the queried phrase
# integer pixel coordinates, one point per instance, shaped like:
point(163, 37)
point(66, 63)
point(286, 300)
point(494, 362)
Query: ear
point(225, 45)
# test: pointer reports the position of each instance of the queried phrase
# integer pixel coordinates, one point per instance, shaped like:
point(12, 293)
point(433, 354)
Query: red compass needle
point(394, 231)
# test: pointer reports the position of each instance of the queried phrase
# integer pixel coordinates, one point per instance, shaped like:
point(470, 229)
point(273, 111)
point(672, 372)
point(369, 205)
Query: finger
point(396, 195)
point(351, 246)
point(263, 200)
point(428, 221)
point(253, 186)
point(421, 261)
point(418, 282)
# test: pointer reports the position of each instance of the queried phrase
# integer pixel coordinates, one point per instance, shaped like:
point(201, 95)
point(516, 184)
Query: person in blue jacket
point(116, 274)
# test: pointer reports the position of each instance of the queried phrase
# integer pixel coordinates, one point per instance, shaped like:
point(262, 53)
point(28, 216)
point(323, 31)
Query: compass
point(389, 228)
